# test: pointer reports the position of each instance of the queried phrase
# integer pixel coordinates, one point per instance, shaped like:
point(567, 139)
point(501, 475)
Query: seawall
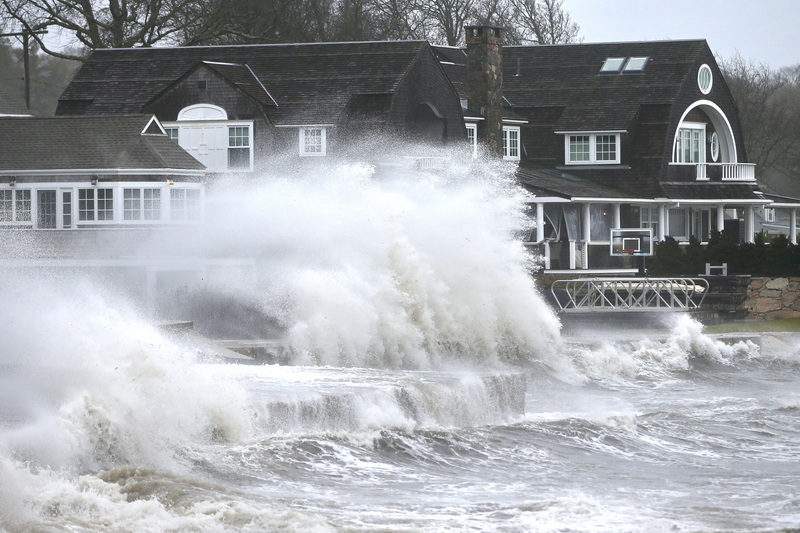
point(772, 298)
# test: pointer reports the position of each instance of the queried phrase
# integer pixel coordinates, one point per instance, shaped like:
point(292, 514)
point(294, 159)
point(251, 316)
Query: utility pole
point(25, 34)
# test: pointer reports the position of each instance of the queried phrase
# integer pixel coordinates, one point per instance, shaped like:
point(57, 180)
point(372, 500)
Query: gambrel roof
point(98, 143)
point(309, 83)
point(569, 76)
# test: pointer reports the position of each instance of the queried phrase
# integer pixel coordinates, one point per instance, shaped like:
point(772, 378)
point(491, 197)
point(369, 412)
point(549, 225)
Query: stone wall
point(773, 298)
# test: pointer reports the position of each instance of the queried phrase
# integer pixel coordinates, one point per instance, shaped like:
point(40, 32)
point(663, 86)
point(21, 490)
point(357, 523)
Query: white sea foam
point(621, 361)
point(361, 268)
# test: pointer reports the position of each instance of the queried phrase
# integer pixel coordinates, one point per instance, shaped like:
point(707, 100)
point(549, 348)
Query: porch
point(576, 235)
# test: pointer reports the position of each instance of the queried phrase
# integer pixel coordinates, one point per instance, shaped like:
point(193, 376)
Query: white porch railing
point(727, 171)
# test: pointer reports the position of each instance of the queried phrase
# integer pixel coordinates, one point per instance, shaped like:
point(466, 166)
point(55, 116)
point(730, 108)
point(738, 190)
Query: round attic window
point(705, 79)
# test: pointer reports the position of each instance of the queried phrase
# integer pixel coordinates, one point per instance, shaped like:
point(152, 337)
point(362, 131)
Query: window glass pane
point(579, 148)
point(177, 202)
point(606, 148)
point(635, 64)
point(66, 208)
point(6, 206)
point(312, 140)
point(85, 204)
point(612, 64)
point(23, 206)
point(600, 218)
point(238, 158)
point(132, 204)
point(152, 204)
point(105, 204)
point(677, 223)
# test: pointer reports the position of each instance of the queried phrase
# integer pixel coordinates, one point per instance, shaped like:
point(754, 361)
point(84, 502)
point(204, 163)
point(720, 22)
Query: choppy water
point(432, 393)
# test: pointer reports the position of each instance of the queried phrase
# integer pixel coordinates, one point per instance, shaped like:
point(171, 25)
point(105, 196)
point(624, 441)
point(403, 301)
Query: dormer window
point(592, 148)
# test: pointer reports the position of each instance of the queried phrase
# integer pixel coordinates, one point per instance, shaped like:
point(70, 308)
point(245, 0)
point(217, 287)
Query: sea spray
point(359, 266)
point(102, 386)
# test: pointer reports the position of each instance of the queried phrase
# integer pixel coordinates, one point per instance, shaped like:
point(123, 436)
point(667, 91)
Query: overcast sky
point(765, 31)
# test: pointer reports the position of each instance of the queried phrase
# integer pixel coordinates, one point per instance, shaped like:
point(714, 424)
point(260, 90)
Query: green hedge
point(773, 257)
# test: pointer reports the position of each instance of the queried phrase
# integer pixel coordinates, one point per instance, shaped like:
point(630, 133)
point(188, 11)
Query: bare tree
point(112, 23)
point(769, 109)
point(129, 23)
point(544, 22)
point(446, 19)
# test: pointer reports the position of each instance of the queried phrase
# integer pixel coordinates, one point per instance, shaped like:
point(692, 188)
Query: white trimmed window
point(511, 143)
point(142, 204)
point(172, 133)
point(184, 204)
point(690, 143)
point(15, 205)
point(95, 205)
point(705, 79)
point(714, 146)
point(592, 148)
point(313, 141)
point(239, 147)
point(472, 138)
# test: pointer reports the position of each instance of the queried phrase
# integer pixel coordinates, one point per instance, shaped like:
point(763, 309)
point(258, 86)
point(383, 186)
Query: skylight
point(635, 64)
point(613, 64)
point(617, 65)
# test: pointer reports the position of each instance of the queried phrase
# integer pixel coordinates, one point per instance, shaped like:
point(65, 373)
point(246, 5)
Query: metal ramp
point(591, 295)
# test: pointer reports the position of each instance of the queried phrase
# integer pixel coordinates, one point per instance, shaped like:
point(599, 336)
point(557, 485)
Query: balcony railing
point(726, 171)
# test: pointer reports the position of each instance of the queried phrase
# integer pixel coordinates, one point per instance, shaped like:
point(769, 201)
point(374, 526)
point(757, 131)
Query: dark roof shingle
point(100, 143)
point(310, 83)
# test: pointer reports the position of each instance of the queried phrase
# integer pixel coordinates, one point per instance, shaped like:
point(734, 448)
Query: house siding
point(426, 83)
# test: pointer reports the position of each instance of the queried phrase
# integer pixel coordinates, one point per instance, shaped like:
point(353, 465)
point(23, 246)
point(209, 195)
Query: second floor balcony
point(712, 172)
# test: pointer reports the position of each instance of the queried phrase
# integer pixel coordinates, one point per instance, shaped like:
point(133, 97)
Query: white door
point(208, 143)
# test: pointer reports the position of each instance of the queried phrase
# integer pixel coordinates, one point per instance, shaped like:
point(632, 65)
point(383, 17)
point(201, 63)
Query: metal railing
point(629, 294)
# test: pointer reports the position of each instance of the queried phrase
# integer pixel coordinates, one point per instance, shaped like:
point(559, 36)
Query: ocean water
point(426, 385)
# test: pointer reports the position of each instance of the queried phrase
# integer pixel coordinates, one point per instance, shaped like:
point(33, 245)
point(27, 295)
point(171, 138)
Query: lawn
point(788, 324)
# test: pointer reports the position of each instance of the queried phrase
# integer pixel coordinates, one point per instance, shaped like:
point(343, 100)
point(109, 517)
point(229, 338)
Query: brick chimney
point(485, 81)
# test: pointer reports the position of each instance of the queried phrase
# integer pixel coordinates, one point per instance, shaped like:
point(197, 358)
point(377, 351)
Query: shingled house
point(624, 135)
point(640, 135)
point(235, 107)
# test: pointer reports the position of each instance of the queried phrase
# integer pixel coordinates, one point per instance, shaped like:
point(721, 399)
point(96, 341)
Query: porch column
point(793, 226)
point(539, 222)
point(749, 224)
point(547, 255)
point(572, 260)
point(720, 218)
point(617, 216)
point(662, 222)
point(587, 222)
point(587, 235)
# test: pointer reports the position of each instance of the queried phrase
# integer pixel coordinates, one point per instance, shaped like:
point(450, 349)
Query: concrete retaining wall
point(773, 298)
